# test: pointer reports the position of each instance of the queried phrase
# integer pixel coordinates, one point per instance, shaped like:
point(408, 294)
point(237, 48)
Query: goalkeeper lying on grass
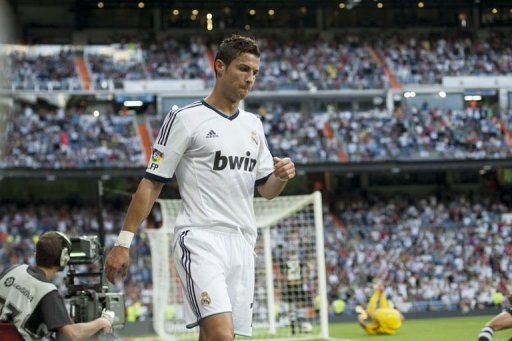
point(383, 319)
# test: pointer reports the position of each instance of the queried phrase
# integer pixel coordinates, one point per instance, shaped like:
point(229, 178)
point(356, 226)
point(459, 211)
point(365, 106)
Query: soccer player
point(293, 289)
point(218, 153)
point(501, 321)
point(384, 319)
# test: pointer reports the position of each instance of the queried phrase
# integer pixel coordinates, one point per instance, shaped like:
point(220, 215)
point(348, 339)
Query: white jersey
point(218, 160)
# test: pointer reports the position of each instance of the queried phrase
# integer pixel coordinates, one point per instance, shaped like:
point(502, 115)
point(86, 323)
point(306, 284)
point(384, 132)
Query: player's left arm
point(284, 170)
point(369, 327)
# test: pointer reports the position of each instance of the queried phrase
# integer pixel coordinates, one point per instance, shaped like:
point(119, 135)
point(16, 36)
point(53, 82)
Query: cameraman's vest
point(20, 294)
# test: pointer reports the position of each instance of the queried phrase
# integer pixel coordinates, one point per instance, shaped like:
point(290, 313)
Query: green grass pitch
point(441, 329)
point(435, 329)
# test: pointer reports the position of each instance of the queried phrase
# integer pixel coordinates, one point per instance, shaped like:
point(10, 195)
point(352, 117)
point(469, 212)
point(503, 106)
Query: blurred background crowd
point(311, 62)
point(435, 253)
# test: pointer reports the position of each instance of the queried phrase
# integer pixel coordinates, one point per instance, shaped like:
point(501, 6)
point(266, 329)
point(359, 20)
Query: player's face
point(238, 78)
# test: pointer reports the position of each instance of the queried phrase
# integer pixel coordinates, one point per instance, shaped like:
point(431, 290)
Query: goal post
point(290, 294)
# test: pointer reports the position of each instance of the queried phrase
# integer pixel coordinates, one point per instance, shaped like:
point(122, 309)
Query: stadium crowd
point(432, 254)
point(72, 139)
point(108, 73)
point(21, 225)
point(413, 133)
point(170, 58)
point(49, 138)
point(42, 72)
point(310, 62)
point(316, 63)
point(425, 60)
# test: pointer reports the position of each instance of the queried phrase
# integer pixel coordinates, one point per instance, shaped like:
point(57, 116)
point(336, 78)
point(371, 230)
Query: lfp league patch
point(156, 156)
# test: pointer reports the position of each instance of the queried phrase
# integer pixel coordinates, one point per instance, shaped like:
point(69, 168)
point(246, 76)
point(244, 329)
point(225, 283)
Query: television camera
point(91, 294)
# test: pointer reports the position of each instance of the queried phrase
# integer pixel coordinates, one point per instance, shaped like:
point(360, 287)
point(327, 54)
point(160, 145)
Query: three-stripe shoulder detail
point(166, 127)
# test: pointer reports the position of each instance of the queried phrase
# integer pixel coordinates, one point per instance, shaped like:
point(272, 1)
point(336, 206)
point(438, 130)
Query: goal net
point(290, 298)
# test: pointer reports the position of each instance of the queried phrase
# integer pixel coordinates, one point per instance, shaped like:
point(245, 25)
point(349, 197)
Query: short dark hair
point(48, 250)
point(233, 46)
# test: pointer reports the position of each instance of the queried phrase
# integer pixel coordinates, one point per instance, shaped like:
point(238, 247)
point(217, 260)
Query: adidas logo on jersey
point(211, 134)
point(233, 162)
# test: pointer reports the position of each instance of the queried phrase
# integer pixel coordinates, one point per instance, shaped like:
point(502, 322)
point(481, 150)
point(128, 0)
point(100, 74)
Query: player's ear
point(219, 67)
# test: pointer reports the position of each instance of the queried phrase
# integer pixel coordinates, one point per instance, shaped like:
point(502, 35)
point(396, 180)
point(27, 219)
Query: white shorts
point(216, 269)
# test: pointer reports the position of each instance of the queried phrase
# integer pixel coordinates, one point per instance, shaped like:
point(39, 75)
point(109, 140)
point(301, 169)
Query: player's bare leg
point(499, 322)
point(217, 328)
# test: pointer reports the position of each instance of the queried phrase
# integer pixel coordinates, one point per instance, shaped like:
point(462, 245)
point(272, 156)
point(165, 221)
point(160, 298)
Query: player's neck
point(49, 273)
point(222, 104)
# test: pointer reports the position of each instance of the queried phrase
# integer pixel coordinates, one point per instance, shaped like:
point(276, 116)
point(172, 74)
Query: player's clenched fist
point(117, 262)
point(284, 169)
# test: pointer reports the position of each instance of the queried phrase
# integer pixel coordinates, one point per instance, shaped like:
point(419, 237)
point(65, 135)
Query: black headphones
point(65, 254)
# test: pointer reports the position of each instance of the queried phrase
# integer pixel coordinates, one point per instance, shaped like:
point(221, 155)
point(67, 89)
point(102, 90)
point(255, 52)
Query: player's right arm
point(84, 331)
point(169, 147)
point(52, 311)
point(118, 259)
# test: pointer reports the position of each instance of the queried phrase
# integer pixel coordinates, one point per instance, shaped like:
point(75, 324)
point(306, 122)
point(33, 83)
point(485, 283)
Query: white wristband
point(124, 239)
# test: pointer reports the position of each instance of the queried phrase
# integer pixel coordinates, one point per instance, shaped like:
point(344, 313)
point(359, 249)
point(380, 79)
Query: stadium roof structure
point(59, 21)
point(234, 4)
point(259, 3)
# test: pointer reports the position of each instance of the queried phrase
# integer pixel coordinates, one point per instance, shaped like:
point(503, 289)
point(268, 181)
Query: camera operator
point(30, 301)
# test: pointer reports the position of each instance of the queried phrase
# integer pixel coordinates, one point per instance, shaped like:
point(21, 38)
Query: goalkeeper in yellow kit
point(383, 319)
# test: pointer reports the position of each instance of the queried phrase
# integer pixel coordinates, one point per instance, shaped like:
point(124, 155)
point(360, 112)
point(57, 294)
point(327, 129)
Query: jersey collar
point(38, 273)
point(231, 118)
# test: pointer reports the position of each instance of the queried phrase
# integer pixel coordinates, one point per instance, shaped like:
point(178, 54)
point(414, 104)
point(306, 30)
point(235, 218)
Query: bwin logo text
point(234, 162)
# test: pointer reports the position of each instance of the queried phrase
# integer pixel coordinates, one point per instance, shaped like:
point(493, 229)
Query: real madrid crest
point(205, 299)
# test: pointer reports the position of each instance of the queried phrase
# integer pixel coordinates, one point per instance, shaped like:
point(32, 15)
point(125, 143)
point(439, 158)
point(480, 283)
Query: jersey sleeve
point(53, 311)
point(169, 147)
point(264, 163)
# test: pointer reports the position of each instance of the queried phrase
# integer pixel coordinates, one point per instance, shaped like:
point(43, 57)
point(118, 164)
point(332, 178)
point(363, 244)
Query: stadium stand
point(334, 92)
point(170, 58)
point(21, 225)
point(411, 133)
point(110, 65)
point(436, 254)
point(316, 63)
point(68, 138)
point(49, 138)
point(42, 68)
point(312, 62)
point(427, 59)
